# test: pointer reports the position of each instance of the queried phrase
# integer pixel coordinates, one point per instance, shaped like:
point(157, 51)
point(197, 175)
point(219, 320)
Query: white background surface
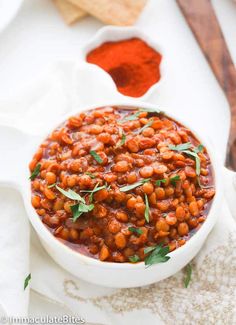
point(38, 36)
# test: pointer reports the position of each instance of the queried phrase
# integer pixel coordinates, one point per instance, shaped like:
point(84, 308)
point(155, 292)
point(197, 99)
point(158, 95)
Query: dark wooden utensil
point(202, 20)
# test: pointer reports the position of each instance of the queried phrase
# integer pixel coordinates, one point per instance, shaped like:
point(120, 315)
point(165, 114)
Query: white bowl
point(114, 34)
point(8, 11)
point(101, 273)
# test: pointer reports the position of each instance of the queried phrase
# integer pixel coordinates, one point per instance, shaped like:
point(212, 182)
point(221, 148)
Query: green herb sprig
point(122, 141)
point(70, 194)
point(52, 185)
point(134, 259)
point(194, 154)
point(96, 189)
point(199, 148)
point(158, 254)
point(79, 208)
point(96, 156)
point(135, 116)
point(91, 175)
point(136, 231)
point(181, 147)
point(35, 172)
point(147, 210)
point(188, 275)
point(132, 117)
point(174, 179)
point(147, 125)
point(160, 181)
point(27, 280)
point(134, 185)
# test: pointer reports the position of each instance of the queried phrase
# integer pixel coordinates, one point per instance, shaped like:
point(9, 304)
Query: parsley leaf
point(174, 179)
point(146, 126)
point(27, 280)
point(35, 172)
point(134, 116)
point(188, 275)
point(149, 249)
point(71, 194)
point(52, 185)
point(90, 175)
point(131, 117)
point(79, 209)
point(136, 231)
point(146, 213)
point(134, 185)
point(96, 156)
point(181, 147)
point(193, 154)
point(96, 189)
point(134, 258)
point(159, 181)
point(75, 211)
point(122, 141)
point(158, 255)
point(199, 148)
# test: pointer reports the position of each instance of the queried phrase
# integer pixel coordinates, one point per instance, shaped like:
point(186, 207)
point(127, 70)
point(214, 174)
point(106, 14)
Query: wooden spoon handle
point(202, 20)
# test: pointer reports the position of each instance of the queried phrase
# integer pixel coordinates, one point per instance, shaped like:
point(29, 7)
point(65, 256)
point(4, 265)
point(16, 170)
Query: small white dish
point(17, 144)
point(114, 34)
point(8, 11)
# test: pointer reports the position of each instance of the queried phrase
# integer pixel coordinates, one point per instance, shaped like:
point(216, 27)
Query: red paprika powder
point(133, 64)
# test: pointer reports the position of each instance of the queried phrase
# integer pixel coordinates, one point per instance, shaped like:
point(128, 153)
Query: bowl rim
point(117, 33)
point(202, 232)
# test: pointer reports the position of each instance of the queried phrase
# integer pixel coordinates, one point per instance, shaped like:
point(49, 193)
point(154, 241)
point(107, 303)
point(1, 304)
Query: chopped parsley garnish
point(96, 156)
point(193, 154)
point(52, 185)
point(70, 194)
point(27, 280)
point(134, 185)
point(160, 181)
point(135, 115)
point(90, 175)
point(96, 189)
point(199, 148)
point(134, 258)
point(174, 179)
point(146, 213)
point(79, 208)
point(122, 141)
point(158, 255)
point(136, 231)
point(181, 147)
point(188, 275)
point(146, 126)
point(35, 172)
point(131, 117)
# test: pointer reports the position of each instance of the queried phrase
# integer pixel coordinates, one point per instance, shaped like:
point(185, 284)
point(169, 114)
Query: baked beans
point(113, 181)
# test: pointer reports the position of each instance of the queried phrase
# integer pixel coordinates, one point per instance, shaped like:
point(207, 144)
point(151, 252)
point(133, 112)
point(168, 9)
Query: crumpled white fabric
point(211, 294)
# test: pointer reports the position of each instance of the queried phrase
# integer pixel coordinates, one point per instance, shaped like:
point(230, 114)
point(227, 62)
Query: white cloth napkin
point(211, 295)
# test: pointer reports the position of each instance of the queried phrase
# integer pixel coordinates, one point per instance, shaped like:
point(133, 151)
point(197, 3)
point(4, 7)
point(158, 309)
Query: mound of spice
point(133, 65)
